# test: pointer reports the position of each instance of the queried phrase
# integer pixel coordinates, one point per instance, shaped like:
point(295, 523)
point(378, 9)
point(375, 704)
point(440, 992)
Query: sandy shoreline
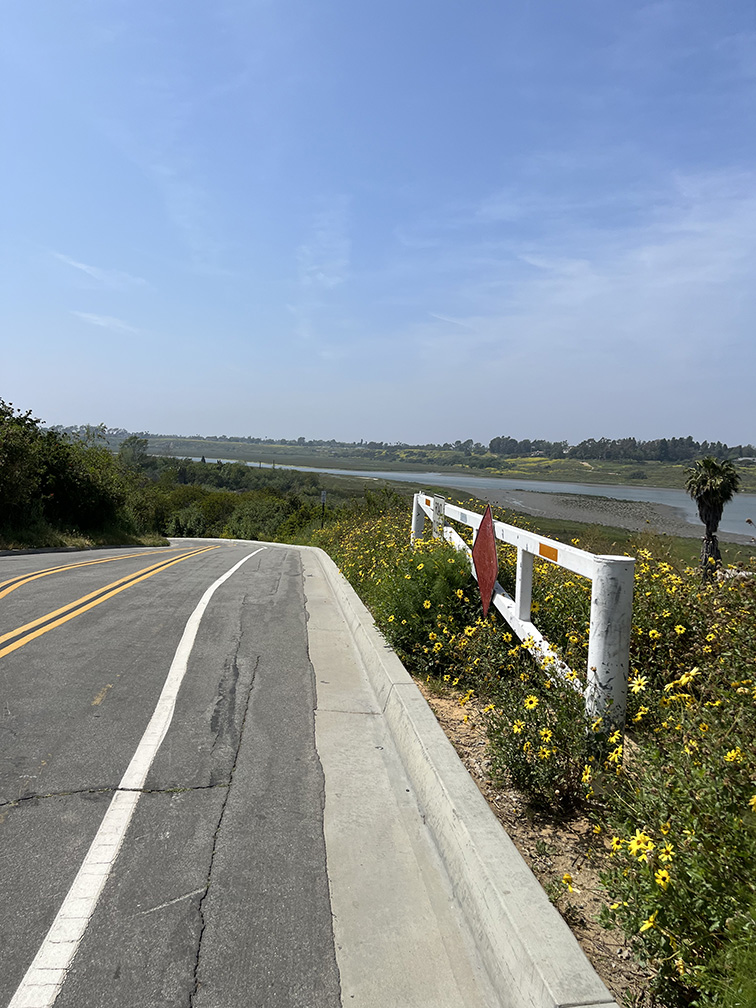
point(635, 515)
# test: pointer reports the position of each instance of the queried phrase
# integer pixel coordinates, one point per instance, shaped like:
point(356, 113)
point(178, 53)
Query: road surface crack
point(173, 789)
point(201, 906)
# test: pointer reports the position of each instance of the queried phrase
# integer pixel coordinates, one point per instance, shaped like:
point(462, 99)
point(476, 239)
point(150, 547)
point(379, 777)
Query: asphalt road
point(218, 896)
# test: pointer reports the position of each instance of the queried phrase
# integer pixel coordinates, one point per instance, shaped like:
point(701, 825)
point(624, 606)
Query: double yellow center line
point(22, 635)
point(6, 587)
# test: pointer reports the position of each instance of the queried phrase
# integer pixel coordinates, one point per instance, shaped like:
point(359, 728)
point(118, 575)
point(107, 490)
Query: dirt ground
point(551, 849)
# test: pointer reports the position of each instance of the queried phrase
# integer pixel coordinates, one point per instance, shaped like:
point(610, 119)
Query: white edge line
point(45, 977)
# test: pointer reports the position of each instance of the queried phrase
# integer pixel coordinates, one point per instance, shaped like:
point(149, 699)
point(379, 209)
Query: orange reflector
point(548, 551)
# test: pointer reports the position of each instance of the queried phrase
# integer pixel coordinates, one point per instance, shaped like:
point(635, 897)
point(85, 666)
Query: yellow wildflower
point(649, 922)
point(638, 683)
point(662, 878)
point(666, 852)
point(640, 845)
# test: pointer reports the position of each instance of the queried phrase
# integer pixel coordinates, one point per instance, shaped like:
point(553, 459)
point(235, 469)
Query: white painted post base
point(609, 640)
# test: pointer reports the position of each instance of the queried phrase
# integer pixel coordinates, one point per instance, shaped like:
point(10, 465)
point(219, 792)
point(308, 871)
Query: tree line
point(51, 481)
point(673, 449)
point(676, 449)
point(182, 497)
point(56, 485)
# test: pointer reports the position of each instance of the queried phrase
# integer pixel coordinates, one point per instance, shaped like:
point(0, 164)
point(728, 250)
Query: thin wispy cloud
point(650, 307)
point(110, 278)
point(106, 322)
point(187, 207)
point(323, 260)
point(324, 255)
point(451, 321)
point(155, 134)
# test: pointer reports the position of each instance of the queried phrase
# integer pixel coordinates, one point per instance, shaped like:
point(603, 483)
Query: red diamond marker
point(485, 559)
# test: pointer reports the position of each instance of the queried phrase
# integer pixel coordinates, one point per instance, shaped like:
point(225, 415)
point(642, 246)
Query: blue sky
point(397, 221)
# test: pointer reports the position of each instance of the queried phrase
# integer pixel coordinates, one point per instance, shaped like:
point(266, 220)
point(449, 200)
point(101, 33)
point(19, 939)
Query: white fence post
point(438, 517)
point(418, 519)
point(524, 585)
point(609, 640)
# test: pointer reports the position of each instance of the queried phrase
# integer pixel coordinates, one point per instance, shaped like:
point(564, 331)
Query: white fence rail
point(611, 601)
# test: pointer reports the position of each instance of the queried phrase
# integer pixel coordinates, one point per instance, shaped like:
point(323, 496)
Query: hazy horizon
point(365, 441)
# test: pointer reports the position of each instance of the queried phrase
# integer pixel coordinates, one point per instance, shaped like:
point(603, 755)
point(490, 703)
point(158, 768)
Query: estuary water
point(742, 507)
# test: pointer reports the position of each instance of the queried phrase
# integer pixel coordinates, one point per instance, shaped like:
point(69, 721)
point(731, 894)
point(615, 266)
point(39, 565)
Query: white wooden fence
point(611, 602)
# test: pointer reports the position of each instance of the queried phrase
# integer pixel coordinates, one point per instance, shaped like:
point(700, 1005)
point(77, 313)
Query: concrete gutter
point(532, 958)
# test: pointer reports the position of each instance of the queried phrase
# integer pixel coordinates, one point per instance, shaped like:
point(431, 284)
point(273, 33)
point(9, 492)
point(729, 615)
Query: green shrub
point(420, 596)
point(48, 480)
point(677, 798)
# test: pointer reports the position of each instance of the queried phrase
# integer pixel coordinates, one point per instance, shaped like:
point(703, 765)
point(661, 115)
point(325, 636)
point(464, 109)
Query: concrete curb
point(531, 956)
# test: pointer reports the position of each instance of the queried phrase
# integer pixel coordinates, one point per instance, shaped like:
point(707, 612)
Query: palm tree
point(711, 483)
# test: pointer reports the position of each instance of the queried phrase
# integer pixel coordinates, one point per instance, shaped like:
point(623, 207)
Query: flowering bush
point(535, 738)
point(676, 798)
point(683, 815)
point(418, 594)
